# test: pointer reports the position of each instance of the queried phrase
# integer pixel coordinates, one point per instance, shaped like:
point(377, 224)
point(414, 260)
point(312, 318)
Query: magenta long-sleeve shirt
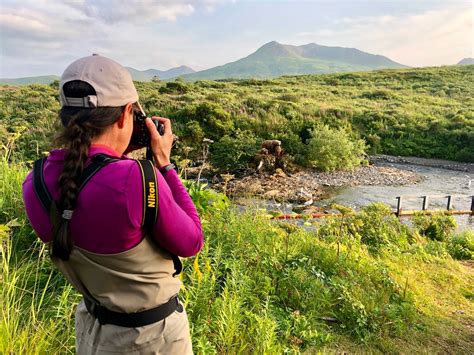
point(107, 218)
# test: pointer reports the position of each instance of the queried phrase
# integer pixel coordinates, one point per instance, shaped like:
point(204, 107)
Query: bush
point(333, 149)
point(461, 246)
point(215, 121)
point(380, 227)
point(438, 226)
point(377, 95)
point(236, 151)
point(174, 87)
point(192, 134)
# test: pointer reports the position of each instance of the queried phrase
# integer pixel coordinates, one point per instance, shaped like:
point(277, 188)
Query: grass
point(35, 302)
point(263, 287)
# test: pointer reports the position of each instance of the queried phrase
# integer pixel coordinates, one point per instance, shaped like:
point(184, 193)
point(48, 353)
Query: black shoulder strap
point(39, 186)
point(150, 204)
point(98, 162)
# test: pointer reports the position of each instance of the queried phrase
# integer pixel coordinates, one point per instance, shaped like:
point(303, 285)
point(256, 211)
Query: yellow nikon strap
point(150, 194)
point(150, 204)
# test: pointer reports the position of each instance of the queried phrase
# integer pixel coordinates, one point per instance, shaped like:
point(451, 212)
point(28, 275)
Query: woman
point(95, 225)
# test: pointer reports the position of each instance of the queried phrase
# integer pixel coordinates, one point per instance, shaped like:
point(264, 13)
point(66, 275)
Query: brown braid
point(81, 126)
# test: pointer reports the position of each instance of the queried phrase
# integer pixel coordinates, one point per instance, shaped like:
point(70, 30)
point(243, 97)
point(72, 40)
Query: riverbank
point(308, 185)
point(434, 163)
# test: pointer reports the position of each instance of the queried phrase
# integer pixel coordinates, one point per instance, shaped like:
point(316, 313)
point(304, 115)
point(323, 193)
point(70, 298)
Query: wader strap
point(98, 162)
point(150, 204)
point(132, 320)
point(39, 186)
point(150, 191)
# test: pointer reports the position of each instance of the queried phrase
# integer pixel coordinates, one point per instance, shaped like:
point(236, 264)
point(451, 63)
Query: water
point(436, 181)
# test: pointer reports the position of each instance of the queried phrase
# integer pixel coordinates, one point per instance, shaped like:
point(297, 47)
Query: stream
point(436, 181)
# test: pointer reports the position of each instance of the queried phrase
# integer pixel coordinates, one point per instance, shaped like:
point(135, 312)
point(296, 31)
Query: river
point(436, 181)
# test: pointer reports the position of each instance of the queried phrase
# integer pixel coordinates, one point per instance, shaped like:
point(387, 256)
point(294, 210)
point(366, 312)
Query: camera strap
point(150, 204)
point(150, 194)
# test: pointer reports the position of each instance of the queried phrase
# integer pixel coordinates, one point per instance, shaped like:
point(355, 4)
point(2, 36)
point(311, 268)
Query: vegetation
point(362, 282)
point(414, 112)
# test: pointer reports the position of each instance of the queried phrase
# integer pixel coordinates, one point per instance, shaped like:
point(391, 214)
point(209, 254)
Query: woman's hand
point(160, 144)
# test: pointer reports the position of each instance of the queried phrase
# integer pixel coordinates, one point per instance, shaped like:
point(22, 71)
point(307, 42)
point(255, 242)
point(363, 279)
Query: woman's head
point(98, 98)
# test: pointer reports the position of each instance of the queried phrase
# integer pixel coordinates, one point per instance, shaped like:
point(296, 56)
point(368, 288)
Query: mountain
point(466, 61)
point(147, 75)
point(44, 79)
point(274, 59)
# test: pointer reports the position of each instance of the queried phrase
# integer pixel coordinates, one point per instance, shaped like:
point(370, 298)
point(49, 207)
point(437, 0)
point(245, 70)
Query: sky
point(41, 37)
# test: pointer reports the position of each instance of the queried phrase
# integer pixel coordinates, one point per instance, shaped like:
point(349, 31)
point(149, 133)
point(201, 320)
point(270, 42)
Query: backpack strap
point(150, 203)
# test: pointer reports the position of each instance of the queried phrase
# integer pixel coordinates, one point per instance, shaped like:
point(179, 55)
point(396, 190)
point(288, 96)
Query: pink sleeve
point(178, 228)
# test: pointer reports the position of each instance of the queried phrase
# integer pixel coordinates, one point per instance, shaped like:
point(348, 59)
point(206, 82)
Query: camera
point(141, 135)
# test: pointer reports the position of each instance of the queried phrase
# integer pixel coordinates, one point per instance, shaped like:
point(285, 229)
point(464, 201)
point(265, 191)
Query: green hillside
point(274, 59)
point(414, 112)
point(44, 79)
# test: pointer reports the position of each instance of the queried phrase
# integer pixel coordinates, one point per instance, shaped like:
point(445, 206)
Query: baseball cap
point(112, 83)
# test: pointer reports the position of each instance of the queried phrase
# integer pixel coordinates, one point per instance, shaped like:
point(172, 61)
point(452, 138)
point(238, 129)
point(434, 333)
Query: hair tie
point(67, 214)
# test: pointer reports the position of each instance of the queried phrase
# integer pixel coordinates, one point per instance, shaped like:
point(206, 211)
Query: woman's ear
point(128, 110)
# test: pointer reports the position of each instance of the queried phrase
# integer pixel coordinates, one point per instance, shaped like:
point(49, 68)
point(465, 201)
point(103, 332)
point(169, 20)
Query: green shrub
point(174, 87)
point(215, 121)
point(437, 226)
point(192, 134)
point(461, 246)
point(333, 149)
point(377, 95)
point(380, 227)
point(235, 152)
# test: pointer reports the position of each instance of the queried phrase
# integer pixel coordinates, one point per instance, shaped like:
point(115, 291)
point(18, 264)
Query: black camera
point(141, 135)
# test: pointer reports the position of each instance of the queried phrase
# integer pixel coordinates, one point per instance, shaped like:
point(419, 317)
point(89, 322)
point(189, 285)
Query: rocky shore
point(435, 163)
point(306, 186)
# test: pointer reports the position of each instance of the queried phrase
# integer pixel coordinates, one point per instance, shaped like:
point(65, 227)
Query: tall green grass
point(36, 313)
point(365, 282)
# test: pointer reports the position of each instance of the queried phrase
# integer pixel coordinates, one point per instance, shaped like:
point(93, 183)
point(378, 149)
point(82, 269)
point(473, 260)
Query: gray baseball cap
point(112, 83)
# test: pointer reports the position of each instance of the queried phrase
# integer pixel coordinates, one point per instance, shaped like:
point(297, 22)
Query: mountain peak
point(272, 49)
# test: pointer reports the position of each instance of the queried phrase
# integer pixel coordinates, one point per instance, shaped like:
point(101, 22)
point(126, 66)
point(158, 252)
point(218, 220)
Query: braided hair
point(81, 125)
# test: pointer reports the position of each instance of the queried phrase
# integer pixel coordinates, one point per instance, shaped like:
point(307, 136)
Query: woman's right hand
point(160, 144)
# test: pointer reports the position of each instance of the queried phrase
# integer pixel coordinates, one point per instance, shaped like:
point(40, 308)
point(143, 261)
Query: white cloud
point(133, 10)
point(434, 37)
point(59, 31)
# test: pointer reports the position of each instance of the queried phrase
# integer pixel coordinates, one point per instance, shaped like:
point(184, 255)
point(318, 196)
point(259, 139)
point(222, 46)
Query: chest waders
point(150, 212)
